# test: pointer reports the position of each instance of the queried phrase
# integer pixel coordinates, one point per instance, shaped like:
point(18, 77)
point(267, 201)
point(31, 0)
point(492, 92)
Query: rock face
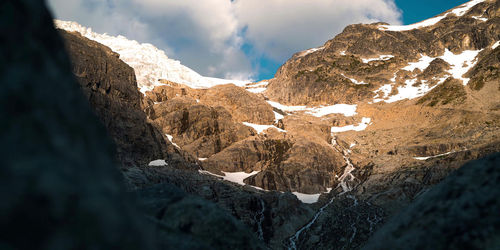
point(446, 215)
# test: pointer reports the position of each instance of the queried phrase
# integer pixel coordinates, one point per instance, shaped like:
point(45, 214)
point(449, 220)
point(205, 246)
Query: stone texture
point(460, 212)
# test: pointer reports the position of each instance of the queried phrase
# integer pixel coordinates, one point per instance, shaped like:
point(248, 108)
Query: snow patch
point(482, 19)
point(435, 156)
point(345, 109)
point(202, 159)
point(460, 63)
point(360, 127)
point(158, 163)
point(380, 58)
point(287, 108)
point(170, 138)
point(307, 198)
point(262, 128)
point(278, 116)
point(421, 64)
point(238, 177)
point(354, 80)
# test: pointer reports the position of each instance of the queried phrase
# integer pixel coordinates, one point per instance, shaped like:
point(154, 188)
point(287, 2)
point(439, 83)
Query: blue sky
point(239, 39)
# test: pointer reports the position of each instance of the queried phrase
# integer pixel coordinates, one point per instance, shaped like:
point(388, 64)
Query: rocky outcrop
point(460, 212)
point(243, 105)
point(110, 86)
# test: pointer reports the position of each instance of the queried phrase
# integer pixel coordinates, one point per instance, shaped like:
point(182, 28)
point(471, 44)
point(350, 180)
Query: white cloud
point(280, 28)
point(207, 35)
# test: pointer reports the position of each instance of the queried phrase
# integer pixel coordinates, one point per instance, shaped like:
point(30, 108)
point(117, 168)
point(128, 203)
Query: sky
point(238, 39)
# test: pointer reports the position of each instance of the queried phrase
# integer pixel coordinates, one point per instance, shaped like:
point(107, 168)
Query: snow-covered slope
point(150, 63)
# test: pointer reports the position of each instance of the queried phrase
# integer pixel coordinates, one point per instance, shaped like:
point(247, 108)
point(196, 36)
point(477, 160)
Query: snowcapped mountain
point(150, 63)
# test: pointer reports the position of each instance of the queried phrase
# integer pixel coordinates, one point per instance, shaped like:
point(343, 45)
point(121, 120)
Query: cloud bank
point(226, 38)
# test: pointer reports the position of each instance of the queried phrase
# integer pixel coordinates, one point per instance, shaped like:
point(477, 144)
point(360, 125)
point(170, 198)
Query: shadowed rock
point(459, 213)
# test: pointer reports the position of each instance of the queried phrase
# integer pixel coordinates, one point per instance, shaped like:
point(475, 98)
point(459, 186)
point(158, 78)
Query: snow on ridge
point(360, 127)
point(309, 51)
point(150, 63)
point(262, 128)
point(380, 58)
point(458, 11)
point(495, 45)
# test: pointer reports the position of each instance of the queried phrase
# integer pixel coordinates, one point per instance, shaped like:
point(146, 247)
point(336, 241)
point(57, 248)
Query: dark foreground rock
point(462, 212)
point(60, 185)
point(60, 188)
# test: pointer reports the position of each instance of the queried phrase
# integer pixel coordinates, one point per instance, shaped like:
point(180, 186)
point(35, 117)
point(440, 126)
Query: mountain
point(149, 62)
point(343, 138)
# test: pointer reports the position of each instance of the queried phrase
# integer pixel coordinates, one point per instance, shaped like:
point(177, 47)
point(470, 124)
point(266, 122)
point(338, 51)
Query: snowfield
point(150, 63)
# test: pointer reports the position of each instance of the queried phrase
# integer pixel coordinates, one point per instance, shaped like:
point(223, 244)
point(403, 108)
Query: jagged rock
point(460, 212)
point(111, 88)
